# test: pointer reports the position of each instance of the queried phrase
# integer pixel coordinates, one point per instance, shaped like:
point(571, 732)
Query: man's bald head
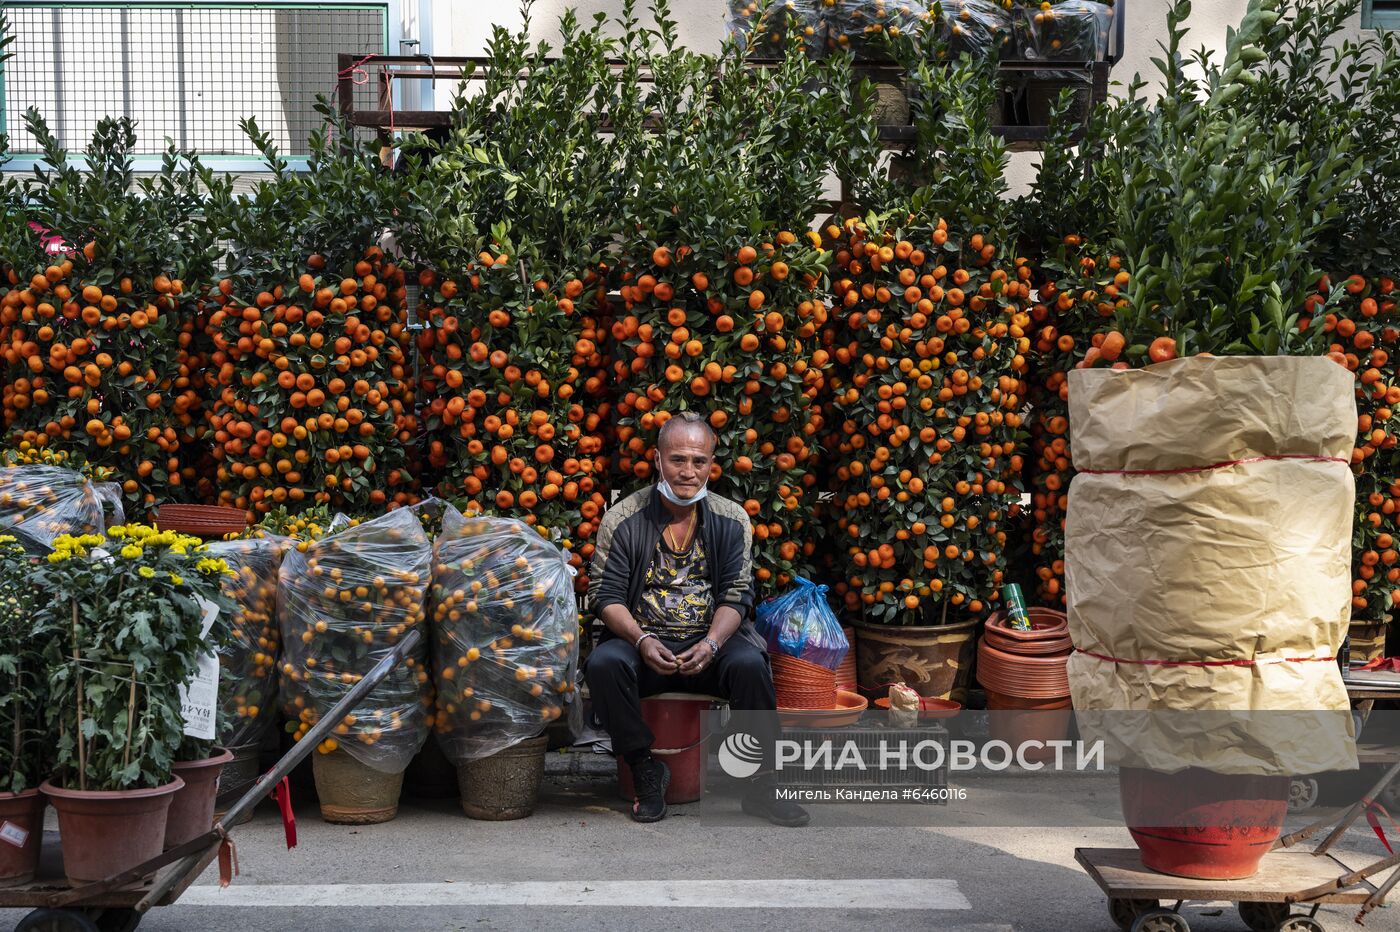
point(688, 424)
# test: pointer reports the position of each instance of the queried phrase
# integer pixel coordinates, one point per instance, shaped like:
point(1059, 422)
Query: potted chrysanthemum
point(129, 620)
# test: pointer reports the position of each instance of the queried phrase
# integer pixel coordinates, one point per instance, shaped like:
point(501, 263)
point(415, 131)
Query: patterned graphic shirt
point(676, 597)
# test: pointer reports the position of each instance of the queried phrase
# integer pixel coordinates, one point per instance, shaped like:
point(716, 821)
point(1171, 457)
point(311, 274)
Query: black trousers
point(618, 680)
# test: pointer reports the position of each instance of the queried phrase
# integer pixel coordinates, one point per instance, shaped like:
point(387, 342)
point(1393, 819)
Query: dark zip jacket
point(627, 541)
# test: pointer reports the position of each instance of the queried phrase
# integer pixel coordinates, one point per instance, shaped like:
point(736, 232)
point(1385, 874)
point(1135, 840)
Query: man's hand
point(695, 658)
point(658, 656)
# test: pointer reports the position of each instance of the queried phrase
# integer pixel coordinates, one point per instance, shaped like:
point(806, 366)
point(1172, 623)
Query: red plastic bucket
point(677, 723)
point(1202, 824)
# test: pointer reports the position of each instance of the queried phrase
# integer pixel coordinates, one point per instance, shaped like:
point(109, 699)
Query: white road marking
point(879, 894)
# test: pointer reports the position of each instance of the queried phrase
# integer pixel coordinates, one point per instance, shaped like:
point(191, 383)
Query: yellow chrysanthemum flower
point(131, 551)
point(146, 572)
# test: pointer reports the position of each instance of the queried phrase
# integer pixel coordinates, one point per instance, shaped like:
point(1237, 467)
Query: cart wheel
point(1302, 794)
point(1264, 917)
point(1161, 920)
point(1300, 924)
point(116, 920)
point(56, 920)
point(1125, 912)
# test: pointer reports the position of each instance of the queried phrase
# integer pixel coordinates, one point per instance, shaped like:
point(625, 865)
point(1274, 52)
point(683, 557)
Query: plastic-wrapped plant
point(25, 752)
point(344, 602)
point(507, 628)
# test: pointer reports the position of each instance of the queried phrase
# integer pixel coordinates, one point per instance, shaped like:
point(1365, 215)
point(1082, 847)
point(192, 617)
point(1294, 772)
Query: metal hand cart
point(118, 903)
point(1286, 878)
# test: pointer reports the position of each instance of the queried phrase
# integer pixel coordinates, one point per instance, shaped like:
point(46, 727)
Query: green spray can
point(1015, 607)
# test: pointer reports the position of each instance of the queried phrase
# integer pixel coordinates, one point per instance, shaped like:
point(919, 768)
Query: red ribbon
point(1199, 663)
point(228, 859)
point(282, 792)
point(1372, 807)
point(1307, 457)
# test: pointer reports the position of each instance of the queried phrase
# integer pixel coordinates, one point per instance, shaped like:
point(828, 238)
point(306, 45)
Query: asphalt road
point(580, 862)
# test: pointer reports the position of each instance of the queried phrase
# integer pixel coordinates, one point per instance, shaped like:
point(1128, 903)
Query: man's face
point(685, 461)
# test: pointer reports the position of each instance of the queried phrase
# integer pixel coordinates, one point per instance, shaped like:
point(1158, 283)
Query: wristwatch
point(714, 646)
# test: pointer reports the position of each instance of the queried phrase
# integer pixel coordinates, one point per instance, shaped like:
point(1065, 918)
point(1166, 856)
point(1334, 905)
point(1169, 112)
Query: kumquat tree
point(929, 336)
point(510, 237)
point(98, 274)
point(311, 381)
point(720, 279)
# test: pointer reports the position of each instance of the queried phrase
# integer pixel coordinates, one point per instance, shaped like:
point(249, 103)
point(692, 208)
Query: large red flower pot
point(677, 723)
point(107, 832)
point(192, 809)
point(1201, 824)
point(21, 816)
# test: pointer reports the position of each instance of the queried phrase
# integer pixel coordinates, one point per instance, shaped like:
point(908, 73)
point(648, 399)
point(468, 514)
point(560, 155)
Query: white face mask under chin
point(670, 495)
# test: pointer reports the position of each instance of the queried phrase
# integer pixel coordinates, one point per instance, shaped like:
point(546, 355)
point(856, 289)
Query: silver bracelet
point(637, 644)
point(714, 646)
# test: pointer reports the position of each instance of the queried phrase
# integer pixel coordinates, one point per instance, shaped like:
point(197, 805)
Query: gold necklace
point(689, 535)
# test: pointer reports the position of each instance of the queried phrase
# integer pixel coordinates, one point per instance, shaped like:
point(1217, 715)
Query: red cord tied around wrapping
point(1203, 663)
point(1226, 464)
point(1182, 470)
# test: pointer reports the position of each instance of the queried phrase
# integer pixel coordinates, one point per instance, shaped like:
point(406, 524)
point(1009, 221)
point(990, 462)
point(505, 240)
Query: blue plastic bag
point(800, 623)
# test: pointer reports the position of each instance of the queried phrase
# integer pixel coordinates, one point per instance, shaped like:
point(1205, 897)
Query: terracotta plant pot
point(932, 660)
point(1202, 824)
point(1367, 641)
point(1049, 634)
point(1021, 720)
point(26, 811)
point(846, 672)
point(505, 785)
point(352, 793)
point(192, 809)
point(105, 832)
point(1025, 677)
point(209, 521)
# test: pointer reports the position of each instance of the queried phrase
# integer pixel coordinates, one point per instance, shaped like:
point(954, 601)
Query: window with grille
point(1380, 14)
point(184, 71)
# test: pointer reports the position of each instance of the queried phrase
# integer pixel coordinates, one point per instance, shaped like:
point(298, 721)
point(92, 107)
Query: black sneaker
point(650, 777)
point(760, 802)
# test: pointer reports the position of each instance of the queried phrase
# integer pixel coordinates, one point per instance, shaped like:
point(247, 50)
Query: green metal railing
point(299, 85)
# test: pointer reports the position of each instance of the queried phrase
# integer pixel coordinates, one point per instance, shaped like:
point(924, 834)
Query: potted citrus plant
point(129, 619)
point(504, 657)
point(929, 345)
point(344, 601)
point(96, 287)
point(24, 754)
point(250, 658)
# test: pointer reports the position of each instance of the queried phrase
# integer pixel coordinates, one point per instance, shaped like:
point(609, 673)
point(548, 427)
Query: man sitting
point(672, 582)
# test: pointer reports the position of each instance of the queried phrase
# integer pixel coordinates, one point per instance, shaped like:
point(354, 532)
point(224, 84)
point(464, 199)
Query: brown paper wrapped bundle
point(1208, 562)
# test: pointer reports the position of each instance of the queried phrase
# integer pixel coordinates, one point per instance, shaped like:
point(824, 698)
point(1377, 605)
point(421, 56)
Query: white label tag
point(13, 834)
point(199, 699)
point(211, 612)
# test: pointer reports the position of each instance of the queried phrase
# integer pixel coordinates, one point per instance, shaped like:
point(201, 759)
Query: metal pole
point(1357, 808)
point(167, 881)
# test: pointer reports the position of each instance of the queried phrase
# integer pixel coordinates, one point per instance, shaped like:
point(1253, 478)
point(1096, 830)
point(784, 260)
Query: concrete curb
point(568, 763)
